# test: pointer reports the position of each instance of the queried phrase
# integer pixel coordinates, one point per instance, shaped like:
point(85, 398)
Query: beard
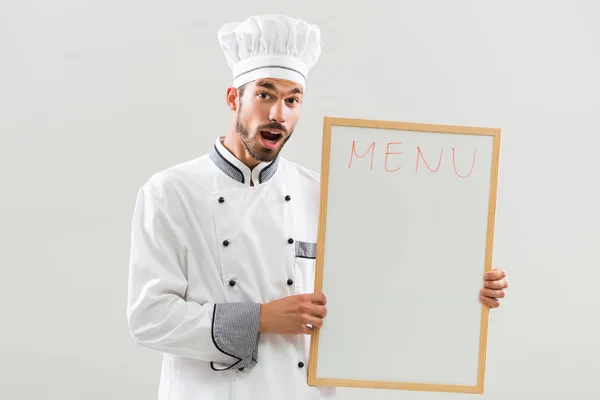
point(252, 142)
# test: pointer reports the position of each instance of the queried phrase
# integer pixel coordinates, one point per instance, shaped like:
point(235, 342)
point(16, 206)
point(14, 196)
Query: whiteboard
point(405, 236)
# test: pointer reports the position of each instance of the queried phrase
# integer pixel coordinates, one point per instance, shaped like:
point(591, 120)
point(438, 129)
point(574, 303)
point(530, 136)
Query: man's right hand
point(292, 314)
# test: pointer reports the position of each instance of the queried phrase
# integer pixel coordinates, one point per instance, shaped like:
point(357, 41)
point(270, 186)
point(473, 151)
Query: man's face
point(268, 112)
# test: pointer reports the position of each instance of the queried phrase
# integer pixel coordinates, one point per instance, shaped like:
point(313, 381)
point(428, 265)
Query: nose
point(278, 111)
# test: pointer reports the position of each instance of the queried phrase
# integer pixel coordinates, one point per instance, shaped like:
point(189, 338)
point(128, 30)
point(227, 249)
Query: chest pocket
point(305, 263)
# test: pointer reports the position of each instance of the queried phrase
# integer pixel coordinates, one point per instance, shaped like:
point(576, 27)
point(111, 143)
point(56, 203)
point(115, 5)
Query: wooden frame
point(326, 147)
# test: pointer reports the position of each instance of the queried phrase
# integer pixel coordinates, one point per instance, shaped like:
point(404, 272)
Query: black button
point(221, 200)
point(241, 369)
point(289, 281)
point(300, 364)
point(288, 198)
point(290, 240)
point(231, 283)
point(226, 243)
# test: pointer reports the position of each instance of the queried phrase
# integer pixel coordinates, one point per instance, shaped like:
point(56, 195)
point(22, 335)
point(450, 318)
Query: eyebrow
point(269, 85)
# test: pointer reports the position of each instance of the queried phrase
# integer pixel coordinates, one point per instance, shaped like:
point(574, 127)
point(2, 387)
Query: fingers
point(495, 274)
point(312, 320)
point(493, 287)
point(314, 310)
point(316, 298)
point(499, 284)
point(490, 302)
point(489, 295)
point(496, 294)
point(307, 330)
point(319, 311)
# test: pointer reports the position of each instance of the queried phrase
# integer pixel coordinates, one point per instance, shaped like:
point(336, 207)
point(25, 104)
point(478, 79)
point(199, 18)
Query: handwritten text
point(393, 157)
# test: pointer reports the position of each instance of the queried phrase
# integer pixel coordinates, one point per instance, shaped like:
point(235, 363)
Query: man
point(223, 246)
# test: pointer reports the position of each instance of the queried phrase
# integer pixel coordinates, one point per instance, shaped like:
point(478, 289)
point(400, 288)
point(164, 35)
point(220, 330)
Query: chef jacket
point(211, 240)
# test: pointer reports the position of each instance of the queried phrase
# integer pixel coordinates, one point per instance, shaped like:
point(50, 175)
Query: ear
point(231, 98)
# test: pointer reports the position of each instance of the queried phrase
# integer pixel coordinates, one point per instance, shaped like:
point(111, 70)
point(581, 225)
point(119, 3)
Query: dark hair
point(241, 91)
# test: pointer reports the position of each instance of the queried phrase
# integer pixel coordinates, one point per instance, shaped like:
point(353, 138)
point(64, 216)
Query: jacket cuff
point(235, 333)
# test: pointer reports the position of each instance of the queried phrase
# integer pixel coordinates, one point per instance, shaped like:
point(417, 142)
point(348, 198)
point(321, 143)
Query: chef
point(223, 246)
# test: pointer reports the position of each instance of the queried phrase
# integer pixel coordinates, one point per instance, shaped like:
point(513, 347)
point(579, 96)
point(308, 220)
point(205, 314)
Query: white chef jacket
point(207, 248)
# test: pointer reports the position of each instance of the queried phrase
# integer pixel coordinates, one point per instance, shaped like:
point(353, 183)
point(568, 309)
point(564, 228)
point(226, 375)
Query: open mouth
point(270, 139)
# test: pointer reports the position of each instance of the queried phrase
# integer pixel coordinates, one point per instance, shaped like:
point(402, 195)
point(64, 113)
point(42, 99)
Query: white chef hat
point(270, 46)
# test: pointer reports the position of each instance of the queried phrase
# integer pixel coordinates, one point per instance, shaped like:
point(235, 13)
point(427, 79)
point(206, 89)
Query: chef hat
point(270, 46)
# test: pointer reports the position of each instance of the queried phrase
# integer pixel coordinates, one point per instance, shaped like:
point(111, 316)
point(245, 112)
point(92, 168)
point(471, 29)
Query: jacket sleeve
point(159, 316)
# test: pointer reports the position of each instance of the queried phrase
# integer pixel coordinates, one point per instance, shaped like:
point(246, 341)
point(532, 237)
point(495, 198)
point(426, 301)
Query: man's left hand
point(494, 283)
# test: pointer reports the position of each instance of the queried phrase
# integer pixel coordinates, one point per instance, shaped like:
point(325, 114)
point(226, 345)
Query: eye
point(293, 100)
point(263, 95)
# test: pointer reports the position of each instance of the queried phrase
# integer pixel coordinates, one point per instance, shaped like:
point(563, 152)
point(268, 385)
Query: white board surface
point(405, 238)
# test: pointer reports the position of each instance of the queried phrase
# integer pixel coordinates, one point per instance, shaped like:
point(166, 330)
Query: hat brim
point(269, 66)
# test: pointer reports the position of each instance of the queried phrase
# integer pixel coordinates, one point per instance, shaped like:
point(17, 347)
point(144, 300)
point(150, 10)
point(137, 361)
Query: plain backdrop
point(95, 96)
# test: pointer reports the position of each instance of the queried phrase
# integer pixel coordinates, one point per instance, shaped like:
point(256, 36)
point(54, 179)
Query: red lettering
point(472, 166)
point(387, 152)
point(421, 155)
point(371, 147)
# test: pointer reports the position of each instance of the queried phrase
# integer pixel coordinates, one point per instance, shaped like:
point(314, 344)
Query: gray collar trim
point(235, 173)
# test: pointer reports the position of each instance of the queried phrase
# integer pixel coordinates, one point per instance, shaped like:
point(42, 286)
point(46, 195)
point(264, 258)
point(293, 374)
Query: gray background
point(95, 96)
